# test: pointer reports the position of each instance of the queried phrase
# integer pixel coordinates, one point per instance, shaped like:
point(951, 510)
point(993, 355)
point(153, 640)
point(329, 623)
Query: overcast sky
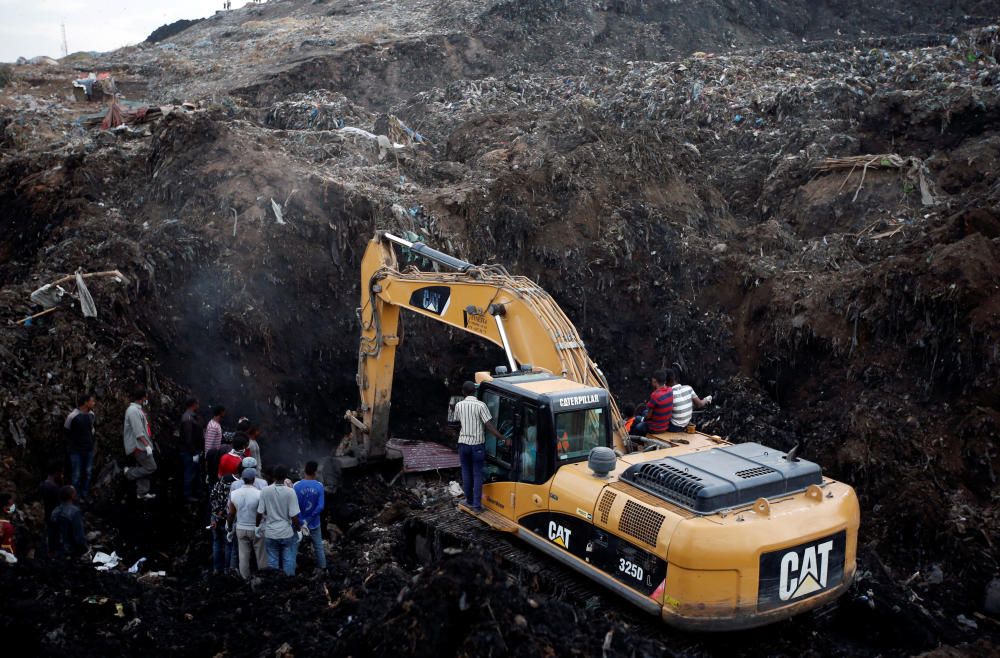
point(32, 27)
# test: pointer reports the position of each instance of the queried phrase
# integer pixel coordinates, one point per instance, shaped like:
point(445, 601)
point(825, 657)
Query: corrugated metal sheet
point(421, 456)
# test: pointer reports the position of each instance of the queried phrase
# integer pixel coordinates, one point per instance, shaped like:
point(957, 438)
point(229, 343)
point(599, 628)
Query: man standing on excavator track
point(474, 416)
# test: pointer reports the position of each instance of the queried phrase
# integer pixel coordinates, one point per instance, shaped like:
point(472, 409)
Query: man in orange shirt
point(628, 413)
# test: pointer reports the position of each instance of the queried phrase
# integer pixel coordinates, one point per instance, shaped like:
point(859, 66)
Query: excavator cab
point(547, 421)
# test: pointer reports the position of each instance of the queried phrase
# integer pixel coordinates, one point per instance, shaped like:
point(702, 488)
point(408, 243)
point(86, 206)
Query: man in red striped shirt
point(659, 409)
point(213, 441)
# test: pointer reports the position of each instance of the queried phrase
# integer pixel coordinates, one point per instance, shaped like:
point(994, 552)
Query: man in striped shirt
point(213, 442)
point(659, 409)
point(475, 417)
point(685, 401)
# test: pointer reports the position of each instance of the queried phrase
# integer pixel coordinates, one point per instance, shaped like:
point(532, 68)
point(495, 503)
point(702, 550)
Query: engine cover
point(723, 478)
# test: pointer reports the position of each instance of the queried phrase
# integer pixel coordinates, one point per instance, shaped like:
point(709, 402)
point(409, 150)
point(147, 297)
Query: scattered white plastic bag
point(276, 207)
point(455, 489)
point(9, 557)
point(135, 567)
point(48, 296)
point(106, 562)
point(87, 304)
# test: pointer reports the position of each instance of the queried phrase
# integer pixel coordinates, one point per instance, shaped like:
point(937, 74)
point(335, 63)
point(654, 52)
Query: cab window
point(577, 432)
point(503, 410)
point(529, 445)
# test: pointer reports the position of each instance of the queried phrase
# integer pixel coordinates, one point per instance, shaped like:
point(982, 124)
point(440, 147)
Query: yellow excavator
point(707, 534)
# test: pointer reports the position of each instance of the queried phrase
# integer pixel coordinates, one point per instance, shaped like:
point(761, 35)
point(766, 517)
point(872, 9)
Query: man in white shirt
point(243, 505)
point(685, 402)
point(279, 509)
point(475, 417)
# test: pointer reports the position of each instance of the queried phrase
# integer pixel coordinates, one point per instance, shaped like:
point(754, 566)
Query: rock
point(520, 621)
point(720, 248)
point(991, 602)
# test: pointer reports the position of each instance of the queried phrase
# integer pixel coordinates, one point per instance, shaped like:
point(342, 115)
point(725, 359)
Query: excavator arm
point(512, 312)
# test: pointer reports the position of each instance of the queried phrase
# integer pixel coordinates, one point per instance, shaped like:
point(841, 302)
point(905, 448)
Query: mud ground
point(663, 169)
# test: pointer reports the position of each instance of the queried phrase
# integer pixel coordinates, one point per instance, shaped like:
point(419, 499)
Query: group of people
point(211, 451)
point(669, 408)
point(64, 523)
point(255, 522)
point(64, 531)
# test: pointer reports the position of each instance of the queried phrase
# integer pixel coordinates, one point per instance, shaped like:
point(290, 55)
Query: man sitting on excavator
point(685, 401)
point(660, 408)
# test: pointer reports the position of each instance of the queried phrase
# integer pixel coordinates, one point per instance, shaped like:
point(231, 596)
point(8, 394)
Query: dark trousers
point(190, 472)
point(212, 466)
point(677, 428)
point(81, 464)
point(473, 459)
point(222, 549)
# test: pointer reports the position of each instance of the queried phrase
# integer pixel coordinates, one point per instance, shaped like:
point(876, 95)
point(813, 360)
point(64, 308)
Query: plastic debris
point(48, 295)
point(86, 300)
point(968, 623)
point(106, 562)
point(278, 215)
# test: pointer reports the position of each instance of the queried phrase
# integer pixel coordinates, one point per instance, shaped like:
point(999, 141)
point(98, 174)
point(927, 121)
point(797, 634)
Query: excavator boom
point(512, 312)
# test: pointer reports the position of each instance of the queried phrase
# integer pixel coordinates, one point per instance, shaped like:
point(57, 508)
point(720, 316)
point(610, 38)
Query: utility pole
point(65, 46)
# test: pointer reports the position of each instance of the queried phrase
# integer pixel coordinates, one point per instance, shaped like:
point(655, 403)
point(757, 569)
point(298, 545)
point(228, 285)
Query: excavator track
point(432, 532)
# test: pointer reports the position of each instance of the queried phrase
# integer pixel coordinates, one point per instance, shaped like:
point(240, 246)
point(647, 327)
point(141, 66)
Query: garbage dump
point(794, 205)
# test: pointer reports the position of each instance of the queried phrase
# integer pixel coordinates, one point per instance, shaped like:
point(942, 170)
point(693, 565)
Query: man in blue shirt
point(311, 502)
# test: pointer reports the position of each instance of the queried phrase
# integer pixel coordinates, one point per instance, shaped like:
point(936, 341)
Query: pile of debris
point(811, 230)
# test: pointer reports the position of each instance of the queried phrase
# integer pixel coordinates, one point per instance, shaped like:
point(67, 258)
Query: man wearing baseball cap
point(259, 482)
point(243, 504)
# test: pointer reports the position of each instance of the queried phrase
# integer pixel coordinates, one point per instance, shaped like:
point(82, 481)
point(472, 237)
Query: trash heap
point(811, 228)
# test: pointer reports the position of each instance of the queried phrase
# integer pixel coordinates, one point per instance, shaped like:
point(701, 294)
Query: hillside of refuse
point(797, 201)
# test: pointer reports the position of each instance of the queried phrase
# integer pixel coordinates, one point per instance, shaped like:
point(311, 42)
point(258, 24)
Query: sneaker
point(148, 496)
point(478, 510)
